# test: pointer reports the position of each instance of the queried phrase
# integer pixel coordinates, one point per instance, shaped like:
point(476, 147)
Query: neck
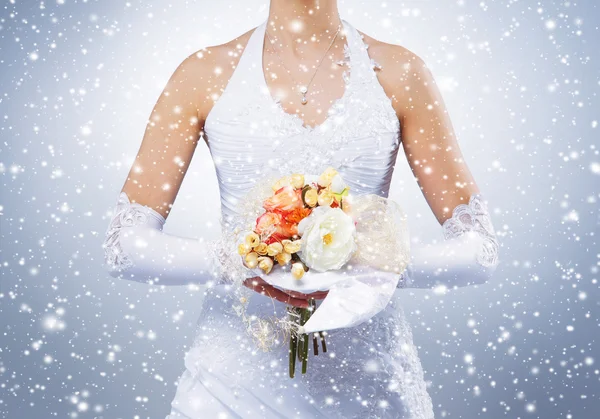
point(303, 18)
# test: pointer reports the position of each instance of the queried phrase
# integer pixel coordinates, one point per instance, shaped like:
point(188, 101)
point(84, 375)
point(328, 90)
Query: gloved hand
point(467, 256)
point(136, 248)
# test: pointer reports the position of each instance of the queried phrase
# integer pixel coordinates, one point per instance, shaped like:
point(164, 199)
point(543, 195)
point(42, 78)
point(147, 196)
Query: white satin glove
point(467, 256)
point(136, 248)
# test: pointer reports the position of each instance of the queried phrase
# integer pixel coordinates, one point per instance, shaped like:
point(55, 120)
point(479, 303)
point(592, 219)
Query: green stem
point(300, 337)
point(293, 348)
point(307, 313)
point(305, 353)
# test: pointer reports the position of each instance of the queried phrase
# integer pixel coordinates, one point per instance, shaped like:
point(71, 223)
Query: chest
point(251, 130)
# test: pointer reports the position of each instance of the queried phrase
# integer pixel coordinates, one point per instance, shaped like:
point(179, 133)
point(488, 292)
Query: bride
point(302, 91)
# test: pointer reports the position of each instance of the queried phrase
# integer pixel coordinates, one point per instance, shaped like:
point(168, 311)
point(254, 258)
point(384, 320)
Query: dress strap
point(362, 64)
point(249, 70)
point(249, 74)
point(249, 65)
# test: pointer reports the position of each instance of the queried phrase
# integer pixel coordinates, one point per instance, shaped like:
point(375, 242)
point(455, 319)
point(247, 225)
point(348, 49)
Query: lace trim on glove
point(126, 214)
point(474, 216)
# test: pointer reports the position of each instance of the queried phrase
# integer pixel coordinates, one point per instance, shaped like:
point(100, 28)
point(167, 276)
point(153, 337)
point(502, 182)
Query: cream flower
point(297, 270)
point(274, 248)
point(327, 176)
point(261, 249)
point(265, 263)
point(243, 249)
point(291, 246)
point(328, 239)
point(310, 197)
point(283, 258)
point(337, 184)
point(252, 260)
point(252, 240)
point(297, 181)
point(325, 197)
point(284, 181)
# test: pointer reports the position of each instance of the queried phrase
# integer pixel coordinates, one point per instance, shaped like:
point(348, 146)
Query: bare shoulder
point(209, 69)
point(403, 73)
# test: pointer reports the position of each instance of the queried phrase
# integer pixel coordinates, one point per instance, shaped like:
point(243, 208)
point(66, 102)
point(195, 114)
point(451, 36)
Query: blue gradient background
point(521, 80)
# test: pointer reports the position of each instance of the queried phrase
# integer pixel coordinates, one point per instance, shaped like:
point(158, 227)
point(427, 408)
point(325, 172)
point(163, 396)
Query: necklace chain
point(303, 88)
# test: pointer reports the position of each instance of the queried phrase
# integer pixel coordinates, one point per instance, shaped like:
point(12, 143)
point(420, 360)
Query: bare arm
point(135, 247)
point(469, 253)
point(170, 139)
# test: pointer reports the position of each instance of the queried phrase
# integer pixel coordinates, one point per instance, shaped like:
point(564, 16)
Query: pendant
point(304, 90)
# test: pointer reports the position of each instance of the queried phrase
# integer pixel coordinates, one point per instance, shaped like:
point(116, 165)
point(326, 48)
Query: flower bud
point(297, 270)
point(284, 181)
point(261, 249)
point(310, 197)
point(252, 240)
point(243, 249)
point(327, 176)
point(274, 248)
point(283, 258)
point(297, 181)
point(292, 246)
point(325, 198)
point(252, 260)
point(337, 184)
point(265, 263)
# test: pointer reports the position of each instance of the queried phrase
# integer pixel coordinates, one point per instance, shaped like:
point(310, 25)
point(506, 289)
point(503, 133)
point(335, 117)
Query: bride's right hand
point(294, 298)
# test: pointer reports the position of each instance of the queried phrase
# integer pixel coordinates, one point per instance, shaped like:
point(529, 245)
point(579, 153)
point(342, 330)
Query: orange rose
point(273, 225)
point(268, 222)
point(284, 200)
point(274, 238)
point(286, 230)
point(296, 215)
point(283, 231)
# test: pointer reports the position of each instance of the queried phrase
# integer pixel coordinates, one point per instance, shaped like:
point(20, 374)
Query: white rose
point(328, 239)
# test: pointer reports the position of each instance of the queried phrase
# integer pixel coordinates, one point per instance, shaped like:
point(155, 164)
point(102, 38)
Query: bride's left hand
point(294, 298)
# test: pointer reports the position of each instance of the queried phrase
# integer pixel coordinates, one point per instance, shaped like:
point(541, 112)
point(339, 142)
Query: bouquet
point(313, 235)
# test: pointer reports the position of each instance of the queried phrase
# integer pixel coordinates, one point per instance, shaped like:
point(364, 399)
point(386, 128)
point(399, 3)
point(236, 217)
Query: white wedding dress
point(369, 371)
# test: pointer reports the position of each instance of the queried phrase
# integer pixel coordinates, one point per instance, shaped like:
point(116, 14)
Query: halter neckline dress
point(369, 371)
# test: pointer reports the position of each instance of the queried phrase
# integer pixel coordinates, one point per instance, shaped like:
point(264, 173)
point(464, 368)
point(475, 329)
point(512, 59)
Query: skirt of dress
point(369, 371)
